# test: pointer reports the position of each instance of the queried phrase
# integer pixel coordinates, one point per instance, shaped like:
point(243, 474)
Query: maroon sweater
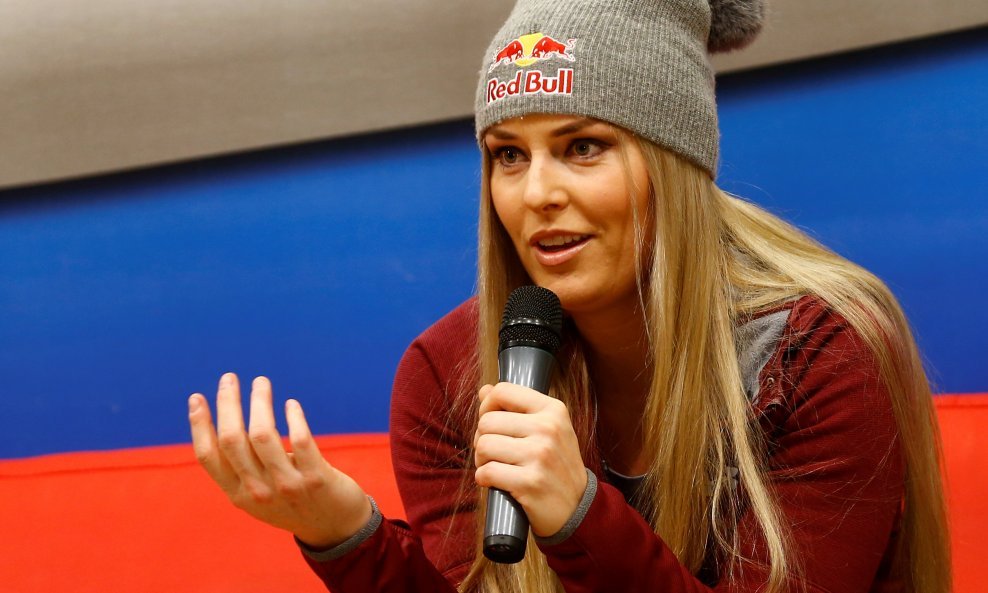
point(834, 464)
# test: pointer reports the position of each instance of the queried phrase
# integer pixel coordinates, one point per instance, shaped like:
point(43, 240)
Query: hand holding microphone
point(526, 449)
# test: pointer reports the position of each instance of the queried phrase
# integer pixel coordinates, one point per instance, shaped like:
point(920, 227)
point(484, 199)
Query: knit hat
point(640, 64)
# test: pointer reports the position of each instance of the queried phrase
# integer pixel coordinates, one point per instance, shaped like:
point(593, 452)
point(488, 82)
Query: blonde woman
point(735, 408)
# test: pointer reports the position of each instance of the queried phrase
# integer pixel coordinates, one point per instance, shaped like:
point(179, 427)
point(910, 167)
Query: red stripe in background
point(964, 429)
point(150, 519)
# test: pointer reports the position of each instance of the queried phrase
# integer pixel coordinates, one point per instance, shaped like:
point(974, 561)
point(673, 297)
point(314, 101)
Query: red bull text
point(532, 82)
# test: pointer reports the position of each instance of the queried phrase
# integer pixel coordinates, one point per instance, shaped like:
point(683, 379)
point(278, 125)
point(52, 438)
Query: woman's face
point(564, 188)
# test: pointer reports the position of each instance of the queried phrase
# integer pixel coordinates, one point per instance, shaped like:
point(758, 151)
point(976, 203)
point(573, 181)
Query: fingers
point(230, 430)
point(510, 424)
point(305, 451)
point(518, 427)
point(520, 412)
point(519, 481)
point(499, 448)
point(229, 418)
point(514, 398)
point(264, 437)
point(205, 445)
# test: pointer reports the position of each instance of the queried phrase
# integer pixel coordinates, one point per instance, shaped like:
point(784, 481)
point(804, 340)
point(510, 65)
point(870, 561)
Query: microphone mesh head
point(533, 316)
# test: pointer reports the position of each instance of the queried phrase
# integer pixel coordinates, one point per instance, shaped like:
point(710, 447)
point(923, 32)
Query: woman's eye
point(586, 148)
point(507, 155)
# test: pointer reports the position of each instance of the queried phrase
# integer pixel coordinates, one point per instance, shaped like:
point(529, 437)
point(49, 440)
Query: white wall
point(88, 87)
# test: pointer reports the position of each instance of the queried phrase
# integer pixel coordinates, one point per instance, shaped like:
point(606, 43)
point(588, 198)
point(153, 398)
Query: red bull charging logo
point(523, 52)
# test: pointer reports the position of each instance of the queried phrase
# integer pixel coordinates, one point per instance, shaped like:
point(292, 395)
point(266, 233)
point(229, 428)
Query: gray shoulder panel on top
point(757, 341)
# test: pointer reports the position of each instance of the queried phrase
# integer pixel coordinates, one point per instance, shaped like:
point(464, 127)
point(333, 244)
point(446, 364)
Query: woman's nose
point(544, 186)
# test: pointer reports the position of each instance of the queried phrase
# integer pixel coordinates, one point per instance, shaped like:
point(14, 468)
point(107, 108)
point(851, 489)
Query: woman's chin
point(581, 299)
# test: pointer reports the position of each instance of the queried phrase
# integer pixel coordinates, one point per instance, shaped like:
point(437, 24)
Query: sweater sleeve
point(430, 450)
point(834, 467)
point(391, 560)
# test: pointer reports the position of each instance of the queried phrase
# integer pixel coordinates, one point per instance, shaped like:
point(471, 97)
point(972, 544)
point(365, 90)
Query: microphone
point(527, 344)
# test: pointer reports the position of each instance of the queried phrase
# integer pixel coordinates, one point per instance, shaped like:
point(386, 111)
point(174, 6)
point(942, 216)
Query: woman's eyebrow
point(575, 126)
point(569, 128)
point(500, 134)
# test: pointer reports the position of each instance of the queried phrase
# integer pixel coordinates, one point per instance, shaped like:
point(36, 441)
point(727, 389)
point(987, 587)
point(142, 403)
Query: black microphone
point(528, 340)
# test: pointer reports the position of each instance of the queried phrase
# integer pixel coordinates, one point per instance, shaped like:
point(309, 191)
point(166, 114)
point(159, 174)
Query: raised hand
point(525, 445)
point(298, 491)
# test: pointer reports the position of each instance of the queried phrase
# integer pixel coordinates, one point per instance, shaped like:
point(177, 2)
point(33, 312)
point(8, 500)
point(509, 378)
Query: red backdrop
point(150, 520)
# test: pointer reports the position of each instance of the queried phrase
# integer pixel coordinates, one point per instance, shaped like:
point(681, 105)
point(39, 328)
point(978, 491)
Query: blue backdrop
point(316, 265)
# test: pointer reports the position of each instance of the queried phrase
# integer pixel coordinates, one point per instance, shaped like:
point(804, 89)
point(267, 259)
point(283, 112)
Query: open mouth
point(561, 243)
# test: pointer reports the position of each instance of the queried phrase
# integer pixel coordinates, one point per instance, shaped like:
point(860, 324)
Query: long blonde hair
point(717, 260)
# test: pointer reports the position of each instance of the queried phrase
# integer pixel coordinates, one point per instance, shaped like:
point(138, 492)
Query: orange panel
point(151, 520)
point(964, 426)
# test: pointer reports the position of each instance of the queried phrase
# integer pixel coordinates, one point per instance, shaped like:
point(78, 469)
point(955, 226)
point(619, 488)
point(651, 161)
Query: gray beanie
point(639, 64)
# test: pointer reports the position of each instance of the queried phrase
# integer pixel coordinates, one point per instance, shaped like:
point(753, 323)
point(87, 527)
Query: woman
point(734, 408)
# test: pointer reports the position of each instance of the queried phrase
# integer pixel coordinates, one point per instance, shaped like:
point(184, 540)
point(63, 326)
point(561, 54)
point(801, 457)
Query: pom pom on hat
point(734, 23)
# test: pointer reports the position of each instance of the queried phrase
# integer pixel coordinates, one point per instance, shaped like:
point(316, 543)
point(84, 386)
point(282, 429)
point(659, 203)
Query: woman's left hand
point(525, 445)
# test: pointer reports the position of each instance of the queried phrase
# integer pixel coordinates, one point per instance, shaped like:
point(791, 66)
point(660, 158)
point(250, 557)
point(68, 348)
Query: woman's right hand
point(298, 491)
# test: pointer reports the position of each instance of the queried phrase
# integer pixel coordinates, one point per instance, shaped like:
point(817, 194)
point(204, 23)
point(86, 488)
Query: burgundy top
point(834, 464)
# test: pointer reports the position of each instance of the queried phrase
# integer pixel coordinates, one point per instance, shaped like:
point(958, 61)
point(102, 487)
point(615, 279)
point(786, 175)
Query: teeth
point(562, 240)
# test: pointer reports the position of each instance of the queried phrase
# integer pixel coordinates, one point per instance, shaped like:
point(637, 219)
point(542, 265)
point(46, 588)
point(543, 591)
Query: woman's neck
point(616, 346)
point(616, 349)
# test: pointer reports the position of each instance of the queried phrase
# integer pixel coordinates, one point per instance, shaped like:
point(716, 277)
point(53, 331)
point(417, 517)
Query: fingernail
point(226, 380)
point(193, 404)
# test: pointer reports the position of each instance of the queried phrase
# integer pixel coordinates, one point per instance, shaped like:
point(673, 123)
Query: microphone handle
point(506, 529)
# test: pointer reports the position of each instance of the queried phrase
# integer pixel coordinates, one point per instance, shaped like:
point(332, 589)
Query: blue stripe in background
point(316, 265)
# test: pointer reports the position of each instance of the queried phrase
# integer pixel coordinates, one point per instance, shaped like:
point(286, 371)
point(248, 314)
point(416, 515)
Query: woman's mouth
point(558, 249)
point(561, 243)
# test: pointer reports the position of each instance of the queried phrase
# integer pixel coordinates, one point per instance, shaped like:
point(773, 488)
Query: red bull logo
point(523, 52)
point(528, 49)
point(511, 53)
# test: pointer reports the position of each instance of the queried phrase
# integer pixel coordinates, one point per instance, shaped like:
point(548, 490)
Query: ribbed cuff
point(576, 518)
point(355, 540)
